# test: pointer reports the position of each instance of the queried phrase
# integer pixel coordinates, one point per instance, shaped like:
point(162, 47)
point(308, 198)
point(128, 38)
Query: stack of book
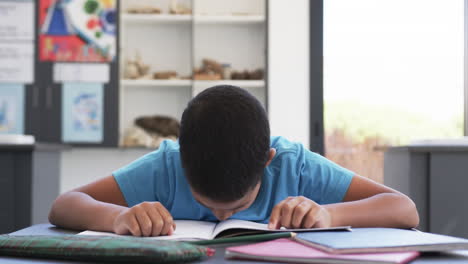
point(361, 245)
point(317, 245)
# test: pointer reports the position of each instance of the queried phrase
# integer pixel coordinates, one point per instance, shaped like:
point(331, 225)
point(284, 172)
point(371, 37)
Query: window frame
point(316, 129)
point(465, 71)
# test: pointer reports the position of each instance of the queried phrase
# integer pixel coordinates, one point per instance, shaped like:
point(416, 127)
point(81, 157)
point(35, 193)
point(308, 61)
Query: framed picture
point(77, 30)
point(82, 112)
point(11, 109)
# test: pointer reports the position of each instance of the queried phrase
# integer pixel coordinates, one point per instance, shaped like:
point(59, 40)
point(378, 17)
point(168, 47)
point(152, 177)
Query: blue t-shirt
point(294, 171)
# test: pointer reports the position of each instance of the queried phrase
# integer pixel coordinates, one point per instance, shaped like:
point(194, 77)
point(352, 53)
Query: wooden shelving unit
point(232, 32)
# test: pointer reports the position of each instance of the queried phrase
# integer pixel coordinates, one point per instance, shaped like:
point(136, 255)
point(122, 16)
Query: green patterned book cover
point(109, 249)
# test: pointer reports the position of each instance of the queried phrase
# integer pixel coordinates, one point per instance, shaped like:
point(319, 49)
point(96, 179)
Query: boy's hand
point(299, 212)
point(144, 219)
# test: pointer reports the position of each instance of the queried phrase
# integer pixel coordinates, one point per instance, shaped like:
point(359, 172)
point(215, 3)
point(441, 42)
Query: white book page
point(249, 225)
point(239, 224)
point(186, 230)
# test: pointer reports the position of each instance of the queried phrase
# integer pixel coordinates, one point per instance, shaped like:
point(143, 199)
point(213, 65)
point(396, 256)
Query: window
point(393, 73)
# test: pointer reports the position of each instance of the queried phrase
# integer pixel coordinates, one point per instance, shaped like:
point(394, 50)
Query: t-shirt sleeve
point(322, 180)
point(142, 179)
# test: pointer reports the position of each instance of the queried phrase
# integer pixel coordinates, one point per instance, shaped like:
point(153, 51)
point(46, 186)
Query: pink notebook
point(286, 250)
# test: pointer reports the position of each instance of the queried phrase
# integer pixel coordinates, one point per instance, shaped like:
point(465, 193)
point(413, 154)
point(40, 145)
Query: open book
point(189, 230)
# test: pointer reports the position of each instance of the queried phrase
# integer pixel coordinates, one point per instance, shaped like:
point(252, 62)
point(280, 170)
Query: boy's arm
point(101, 206)
point(366, 204)
point(92, 206)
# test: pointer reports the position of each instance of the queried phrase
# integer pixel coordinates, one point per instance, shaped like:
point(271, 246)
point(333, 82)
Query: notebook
point(380, 240)
point(189, 230)
point(286, 250)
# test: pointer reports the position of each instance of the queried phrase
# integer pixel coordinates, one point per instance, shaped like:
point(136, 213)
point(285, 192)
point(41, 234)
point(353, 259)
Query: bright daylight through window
point(393, 73)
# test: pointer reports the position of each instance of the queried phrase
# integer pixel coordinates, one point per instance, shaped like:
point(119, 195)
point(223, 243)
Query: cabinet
point(435, 177)
point(29, 182)
point(232, 33)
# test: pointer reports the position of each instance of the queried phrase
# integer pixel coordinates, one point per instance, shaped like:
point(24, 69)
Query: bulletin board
point(76, 100)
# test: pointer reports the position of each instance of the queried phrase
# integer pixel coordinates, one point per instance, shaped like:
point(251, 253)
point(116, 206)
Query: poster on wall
point(17, 41)
point(17, 20)
point(17, 62)
point(81, 72)
point(77, 30)
point(11, 109)
point(82, 112)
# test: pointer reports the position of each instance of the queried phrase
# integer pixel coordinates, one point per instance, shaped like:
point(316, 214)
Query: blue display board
point(11, 109)
point(82, 112)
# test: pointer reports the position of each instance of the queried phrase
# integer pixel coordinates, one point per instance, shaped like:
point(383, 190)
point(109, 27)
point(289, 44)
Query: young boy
point(228, 166)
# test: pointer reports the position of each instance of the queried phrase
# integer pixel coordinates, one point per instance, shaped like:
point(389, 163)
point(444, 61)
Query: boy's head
point(224, 144)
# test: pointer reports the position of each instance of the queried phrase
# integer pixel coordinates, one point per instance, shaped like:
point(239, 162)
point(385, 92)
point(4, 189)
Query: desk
point(47, 229)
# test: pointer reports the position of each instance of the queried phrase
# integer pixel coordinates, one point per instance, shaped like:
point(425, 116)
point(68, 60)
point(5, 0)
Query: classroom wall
point(288, 96)
point(80, 166)
point(288, 69)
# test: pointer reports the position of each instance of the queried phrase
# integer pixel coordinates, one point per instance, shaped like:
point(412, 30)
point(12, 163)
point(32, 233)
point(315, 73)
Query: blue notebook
point(369, 240)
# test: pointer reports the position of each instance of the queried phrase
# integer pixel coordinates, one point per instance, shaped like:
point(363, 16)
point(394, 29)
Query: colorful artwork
point(11, 109)
point(82, 110)
point(77, 30)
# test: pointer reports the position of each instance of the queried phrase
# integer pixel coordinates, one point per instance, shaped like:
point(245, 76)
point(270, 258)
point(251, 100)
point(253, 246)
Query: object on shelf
point(163, 125)
point(207, 76)
point(150, 131)
point(136, 69)
point(177, 8)
point(137, 137)
point(210, 70)
point(143, 10)
point(242, 14)
point(257, 74)
point(227, 70)
point(165, 75)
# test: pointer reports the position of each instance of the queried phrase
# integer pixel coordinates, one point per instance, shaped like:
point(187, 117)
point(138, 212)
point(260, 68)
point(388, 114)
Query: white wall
point(288, 69)
point(81, 166)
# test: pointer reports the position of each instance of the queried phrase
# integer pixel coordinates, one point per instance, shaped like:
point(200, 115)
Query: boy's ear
point(271, 155)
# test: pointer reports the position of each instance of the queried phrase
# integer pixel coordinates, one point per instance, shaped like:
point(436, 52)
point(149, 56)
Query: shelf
point(156, 18)
point(198, 83)
point(229, 19)
point(198, 19)
point(157, 83)
point(239, 83)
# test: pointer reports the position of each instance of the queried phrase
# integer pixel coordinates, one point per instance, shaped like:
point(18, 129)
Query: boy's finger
point(166, 228)
point(145, 223)
point(133, 226)
point(164, 212)
point(287, 210)
point(167, 219)
point(171, 231)
point(275, 215)
point(310, 218)
point(167, 225)
point(156, 221)
point(299, 213)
